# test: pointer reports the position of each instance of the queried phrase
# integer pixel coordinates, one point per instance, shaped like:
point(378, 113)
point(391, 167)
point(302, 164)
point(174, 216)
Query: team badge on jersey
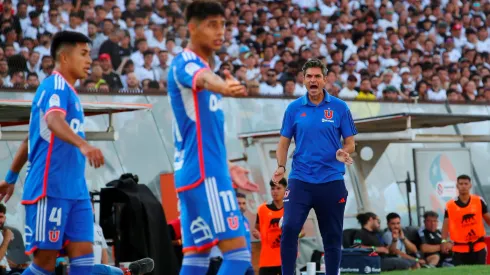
point(233, 222)
point(54, 235)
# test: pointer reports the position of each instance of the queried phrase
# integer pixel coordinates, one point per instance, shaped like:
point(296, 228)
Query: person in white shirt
point(270, 86)
point(147, 71)
point(436, 92)
point(349, 90)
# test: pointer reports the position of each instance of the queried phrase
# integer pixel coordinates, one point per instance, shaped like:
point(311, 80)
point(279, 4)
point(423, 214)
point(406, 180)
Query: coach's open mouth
point(313, 86)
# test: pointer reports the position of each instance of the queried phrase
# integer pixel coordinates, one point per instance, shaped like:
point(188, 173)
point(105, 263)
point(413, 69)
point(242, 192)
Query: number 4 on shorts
point(55, 216)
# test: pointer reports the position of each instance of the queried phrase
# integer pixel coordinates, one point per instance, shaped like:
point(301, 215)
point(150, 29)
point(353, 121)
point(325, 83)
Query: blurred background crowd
point(375, 49)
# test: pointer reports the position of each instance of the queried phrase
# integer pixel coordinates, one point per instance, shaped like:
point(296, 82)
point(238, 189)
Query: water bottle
point(322, 264)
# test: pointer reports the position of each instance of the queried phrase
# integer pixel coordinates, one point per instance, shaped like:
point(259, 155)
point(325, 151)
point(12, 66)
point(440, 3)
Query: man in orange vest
point(268, 230)
point(463, 223)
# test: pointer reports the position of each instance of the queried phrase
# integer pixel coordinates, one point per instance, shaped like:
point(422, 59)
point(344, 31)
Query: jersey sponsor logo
point(191, 68)
point(214, 103)
point(54, 235)
point(328, 115)
point(54, 101)
point(468, 218)
point(77, 126)
point(233, 223)
point(201, 230)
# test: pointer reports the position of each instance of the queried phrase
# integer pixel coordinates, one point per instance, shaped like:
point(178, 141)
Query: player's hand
point(233, 86)
point(382, 250)
point(344, 157)
point(93, 154)
point(402, 235)
point(422, 262)
point(239, 176)
point(6, 190)
point(7, 235)
point(278, 175)
point(256, 234)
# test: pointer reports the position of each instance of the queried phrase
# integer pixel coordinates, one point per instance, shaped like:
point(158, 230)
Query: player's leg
point(329, 204)
point(79, 234)
point(297, 205)
point(228, 225)
point(44, 230)
point(197, 231)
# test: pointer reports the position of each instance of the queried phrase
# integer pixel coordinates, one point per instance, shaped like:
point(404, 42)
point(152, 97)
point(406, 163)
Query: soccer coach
point(316, 121)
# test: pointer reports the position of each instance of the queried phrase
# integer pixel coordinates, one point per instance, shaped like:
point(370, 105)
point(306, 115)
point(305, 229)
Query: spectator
point(32, 81)
point(289, 87)
point(271, 86)
point(349, 91)
point(108, 74)
point(147, 71)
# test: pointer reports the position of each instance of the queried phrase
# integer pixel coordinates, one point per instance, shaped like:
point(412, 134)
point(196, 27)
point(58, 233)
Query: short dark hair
point(282, 182)
point(202, 9)
point(463, 177)
point(240, 195)
point(363, 218)
point(3, 208)
point(430, 214)
point(67, 38)
point(392, 216)
point(314, 63)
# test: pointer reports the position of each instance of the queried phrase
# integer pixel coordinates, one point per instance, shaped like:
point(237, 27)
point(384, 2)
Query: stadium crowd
point(375, 49)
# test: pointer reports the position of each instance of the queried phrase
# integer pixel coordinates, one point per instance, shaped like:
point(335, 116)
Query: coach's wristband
point(444, 241)
point(11, 177)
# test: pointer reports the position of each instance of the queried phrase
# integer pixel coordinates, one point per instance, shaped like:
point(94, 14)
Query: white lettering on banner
point(77, 126)
point(200, 226)
point(214, 103)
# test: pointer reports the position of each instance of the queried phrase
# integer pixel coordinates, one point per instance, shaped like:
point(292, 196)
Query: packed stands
point(392, 50)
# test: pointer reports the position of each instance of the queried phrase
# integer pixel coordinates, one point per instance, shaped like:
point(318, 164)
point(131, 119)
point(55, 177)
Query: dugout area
point(375, 135)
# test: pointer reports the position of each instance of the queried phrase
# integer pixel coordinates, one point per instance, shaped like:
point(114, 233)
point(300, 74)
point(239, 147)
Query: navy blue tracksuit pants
point(328, 200)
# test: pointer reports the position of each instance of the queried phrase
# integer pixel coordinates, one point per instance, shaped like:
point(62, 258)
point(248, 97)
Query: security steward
point(463, 224)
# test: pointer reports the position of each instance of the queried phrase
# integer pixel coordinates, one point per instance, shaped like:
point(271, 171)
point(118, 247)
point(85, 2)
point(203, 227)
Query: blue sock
point(195, 264)
point(82, 265)
point(33, 269)
point(235, 262)
point(102, 269)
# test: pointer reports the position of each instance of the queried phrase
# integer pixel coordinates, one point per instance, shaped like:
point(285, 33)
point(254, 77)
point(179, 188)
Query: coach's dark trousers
point(328, 200)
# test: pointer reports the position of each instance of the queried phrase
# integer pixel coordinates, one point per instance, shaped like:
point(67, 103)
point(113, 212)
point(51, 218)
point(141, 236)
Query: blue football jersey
point(55, 168)
point(198, 127)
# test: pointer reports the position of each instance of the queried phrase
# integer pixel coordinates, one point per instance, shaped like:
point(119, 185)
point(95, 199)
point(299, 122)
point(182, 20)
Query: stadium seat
point(348, 237)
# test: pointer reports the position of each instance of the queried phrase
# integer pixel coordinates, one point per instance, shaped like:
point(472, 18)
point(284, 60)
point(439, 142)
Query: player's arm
point(54, 107)
point(195, 75)
point(20, 160)
point(445, 227)
point(59, 127)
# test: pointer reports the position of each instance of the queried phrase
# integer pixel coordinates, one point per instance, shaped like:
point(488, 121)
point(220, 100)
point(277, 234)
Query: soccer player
point(316, 121)
point(56, 198)
point(203, 176)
